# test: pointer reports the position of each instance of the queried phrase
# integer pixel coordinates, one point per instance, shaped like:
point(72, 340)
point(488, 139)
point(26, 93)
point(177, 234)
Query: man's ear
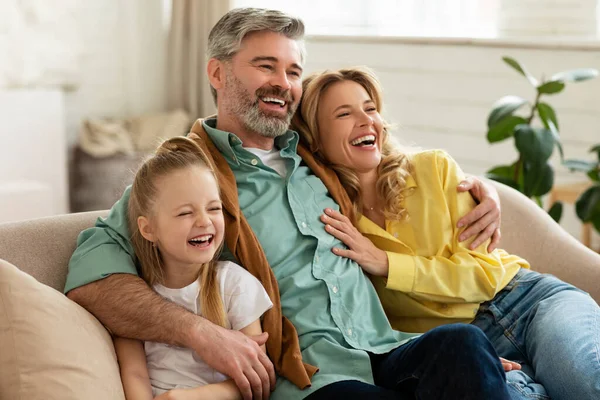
point(146, 229)
point(215, 69)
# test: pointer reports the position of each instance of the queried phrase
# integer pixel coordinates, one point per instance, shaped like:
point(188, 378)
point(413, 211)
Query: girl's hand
point(362, 250)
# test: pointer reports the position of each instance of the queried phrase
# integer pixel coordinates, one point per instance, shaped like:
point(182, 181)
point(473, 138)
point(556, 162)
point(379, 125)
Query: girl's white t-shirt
point(244, 299)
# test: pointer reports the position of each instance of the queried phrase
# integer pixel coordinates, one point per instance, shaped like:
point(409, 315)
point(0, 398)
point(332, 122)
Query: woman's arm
point(226, 390)
point(134, 370)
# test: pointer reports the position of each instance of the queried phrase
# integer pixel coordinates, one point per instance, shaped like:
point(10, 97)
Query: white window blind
point(442, 18)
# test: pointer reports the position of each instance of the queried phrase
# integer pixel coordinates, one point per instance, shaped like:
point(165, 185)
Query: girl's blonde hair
point(172, 155)
point(395, 166)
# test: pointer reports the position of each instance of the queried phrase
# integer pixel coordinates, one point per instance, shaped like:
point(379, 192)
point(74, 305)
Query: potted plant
point(534, 127)
point(587, 206)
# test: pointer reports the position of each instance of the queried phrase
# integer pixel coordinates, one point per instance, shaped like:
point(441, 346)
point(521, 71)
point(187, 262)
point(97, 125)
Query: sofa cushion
point(51, 348)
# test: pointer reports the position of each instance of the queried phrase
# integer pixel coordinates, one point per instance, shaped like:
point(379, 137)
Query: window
point(441, 18)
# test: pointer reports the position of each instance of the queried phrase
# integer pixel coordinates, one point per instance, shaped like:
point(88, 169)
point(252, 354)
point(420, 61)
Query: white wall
point(123, 66)
point(439, 92)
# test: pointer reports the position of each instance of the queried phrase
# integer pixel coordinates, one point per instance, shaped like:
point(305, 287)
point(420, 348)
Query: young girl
point(177, 226)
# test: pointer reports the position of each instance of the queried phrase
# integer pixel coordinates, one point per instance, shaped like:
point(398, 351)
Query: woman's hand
point(360, 249)
point(483, 220)
point(509, 365)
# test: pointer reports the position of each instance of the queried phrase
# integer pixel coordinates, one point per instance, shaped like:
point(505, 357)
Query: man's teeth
point(273, 100)
point(201, 239)
point(368, 138)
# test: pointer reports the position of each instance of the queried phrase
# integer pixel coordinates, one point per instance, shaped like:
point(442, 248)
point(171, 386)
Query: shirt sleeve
point(455, 274)
point(245, 297)
point(104, 249)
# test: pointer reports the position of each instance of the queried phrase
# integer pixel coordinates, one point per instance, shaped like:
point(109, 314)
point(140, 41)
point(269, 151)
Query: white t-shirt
point(271, 158)
point(244, 299)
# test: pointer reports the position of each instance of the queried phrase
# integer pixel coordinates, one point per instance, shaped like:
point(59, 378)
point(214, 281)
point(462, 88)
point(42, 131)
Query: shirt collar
point(230, 145)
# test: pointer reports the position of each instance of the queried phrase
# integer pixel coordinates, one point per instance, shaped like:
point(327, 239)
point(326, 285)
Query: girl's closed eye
point(344, 114)
point(184, 213)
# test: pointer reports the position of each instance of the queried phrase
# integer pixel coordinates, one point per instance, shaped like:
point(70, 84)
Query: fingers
point(345, 253)
point(466, 185)
point(336, 233)
point(260, 339)
point(482, 237)
point(509, 365)
point(495, 240)
point(256, 383)
point(336, 215)
point(265, 381)
point(473, 215)
point(266, 362)
point(243, 385)
point(479, 226)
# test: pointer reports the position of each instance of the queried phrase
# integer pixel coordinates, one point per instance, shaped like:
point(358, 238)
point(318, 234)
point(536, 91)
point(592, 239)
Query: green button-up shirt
point(329, 299)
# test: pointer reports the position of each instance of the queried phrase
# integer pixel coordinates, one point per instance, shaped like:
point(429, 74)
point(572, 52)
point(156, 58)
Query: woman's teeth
point(364, 140)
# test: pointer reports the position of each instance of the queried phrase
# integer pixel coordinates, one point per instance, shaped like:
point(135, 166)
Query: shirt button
point(396, 235)
point(349, 332)
point(335, 289)
point(254, 161)
point(444, 306)
point(303, 224)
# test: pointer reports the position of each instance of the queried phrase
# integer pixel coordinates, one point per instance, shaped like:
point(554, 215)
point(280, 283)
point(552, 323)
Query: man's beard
point(247, 110)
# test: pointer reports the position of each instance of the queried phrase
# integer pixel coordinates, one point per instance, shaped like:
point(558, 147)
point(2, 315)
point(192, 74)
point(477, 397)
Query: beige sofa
point(52, 348)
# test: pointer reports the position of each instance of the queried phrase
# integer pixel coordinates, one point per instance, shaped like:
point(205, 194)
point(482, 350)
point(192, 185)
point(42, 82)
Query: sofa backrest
point(42, 247)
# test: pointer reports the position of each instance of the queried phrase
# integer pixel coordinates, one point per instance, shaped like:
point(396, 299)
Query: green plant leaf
point(588, 204)
point(503, 108)
point(538, 178)
point(551, 87)
point(596, 222)
point(534, 144)
point(520, 69)
point(548, 117)
point(504, 174)
point(579, 165)
point(594, 174)
point(556, 211)
point(575, 75)
point(504, 129)
point(596, 149)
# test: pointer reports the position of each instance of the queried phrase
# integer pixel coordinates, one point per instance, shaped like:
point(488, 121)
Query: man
point(255, 70)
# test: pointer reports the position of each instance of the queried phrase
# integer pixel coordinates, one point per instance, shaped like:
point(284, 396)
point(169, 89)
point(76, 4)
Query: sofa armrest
point(530, 232)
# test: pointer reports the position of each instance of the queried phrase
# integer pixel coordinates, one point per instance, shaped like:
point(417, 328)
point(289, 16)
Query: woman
point(408, 207)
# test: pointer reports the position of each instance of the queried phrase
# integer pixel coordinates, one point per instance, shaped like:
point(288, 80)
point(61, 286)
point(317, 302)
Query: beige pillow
point(50, 347)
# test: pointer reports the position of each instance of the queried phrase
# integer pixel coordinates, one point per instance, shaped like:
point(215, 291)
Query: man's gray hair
point(225, 38)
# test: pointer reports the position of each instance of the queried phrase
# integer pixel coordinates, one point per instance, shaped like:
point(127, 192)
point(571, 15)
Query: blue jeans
point(449, 362)
point(552, 329)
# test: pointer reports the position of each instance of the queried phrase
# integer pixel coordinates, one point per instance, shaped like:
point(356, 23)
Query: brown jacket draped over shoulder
point(283, 346)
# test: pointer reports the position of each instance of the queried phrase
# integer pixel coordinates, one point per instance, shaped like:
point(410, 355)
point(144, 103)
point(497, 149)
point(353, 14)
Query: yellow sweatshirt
point(433, 278)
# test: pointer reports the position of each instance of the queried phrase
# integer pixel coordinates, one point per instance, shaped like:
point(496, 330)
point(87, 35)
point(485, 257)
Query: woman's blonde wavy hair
point(395, 166)
point(172, 155)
